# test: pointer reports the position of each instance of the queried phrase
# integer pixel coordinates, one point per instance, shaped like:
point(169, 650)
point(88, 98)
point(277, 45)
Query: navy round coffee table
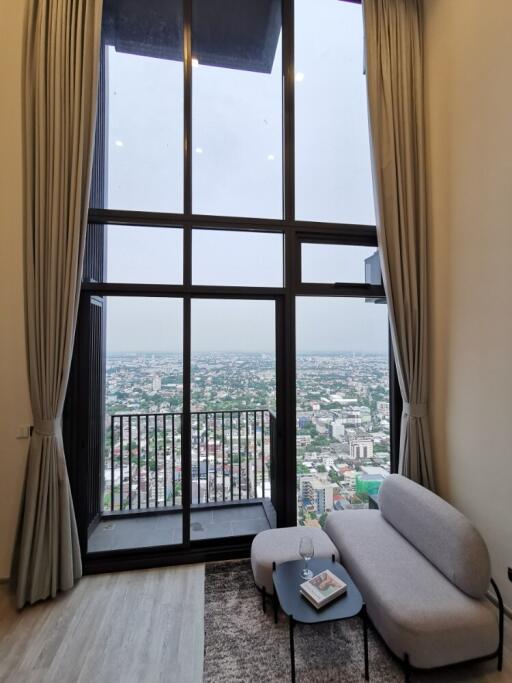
point(287, 579)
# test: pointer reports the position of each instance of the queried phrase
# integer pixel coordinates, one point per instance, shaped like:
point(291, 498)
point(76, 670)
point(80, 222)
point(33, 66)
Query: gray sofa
point(424, 571)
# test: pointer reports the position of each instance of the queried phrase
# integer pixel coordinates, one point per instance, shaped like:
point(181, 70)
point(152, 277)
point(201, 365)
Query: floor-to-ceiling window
point(343, 406)
point(343, 450)
point(232, 350)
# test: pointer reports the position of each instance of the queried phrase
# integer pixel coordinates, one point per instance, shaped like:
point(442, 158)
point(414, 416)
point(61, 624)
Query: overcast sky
point(237, 162)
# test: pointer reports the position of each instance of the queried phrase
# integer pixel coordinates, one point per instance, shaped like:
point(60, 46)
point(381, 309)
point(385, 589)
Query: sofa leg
point(407, 669)
point(501, 622)
point(365, 642)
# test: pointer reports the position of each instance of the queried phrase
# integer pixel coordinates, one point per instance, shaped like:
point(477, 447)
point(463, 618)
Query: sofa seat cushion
point(282, 545)
point(411, 603)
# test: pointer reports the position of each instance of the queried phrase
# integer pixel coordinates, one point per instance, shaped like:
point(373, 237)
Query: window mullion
point(187, 107)
point(289, 111)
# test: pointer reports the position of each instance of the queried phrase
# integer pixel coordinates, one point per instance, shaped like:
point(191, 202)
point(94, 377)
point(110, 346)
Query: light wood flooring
point(131, 627)
point(137, 627)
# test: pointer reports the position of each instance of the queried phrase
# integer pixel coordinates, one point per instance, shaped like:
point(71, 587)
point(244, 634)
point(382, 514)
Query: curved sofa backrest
point(438, 531)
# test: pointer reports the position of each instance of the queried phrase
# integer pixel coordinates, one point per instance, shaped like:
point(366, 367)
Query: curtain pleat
point(61, 76)
point(394, 74)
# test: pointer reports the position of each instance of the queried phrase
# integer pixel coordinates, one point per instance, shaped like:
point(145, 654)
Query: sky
point(323, 325)
point(237, 162)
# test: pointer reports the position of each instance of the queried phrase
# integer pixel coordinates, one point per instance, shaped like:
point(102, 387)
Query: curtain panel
point(394, 74)
point(61, 75)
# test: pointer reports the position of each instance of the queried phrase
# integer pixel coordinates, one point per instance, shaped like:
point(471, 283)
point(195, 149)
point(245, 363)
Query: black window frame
point(294, 233)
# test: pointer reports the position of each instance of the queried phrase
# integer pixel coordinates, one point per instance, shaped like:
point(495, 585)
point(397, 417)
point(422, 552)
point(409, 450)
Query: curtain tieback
point(415, 409)
point(47, 427)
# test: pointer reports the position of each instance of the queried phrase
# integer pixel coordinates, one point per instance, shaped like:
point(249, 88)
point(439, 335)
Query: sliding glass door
point(155, 435)
point(141, 425)
point(233, 401)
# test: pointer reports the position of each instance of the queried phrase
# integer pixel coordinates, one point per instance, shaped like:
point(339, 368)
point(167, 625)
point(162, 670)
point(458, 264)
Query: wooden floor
point(131, 627)
point(137, 627)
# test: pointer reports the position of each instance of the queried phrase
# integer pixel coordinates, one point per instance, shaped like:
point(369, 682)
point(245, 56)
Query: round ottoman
point(282, 545)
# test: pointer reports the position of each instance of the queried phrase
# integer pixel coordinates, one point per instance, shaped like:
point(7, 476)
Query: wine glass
point(307, 552)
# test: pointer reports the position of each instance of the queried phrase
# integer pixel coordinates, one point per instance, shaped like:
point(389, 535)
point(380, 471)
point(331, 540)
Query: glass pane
point(143, 402)
point(332, 154)
point(144, 255)
point(233, 406)
point(343, 437)
point(141, 113)
point(328, 263)
point(231, 258)
point(237, 110)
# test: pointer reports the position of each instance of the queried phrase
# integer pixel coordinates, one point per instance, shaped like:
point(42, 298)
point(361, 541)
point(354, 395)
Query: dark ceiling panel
point(235, 34)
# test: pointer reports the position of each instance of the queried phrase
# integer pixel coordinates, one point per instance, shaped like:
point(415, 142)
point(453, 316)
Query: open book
point(323, 588)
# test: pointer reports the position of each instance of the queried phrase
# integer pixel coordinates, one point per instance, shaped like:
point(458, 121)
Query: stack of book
point(323, 588)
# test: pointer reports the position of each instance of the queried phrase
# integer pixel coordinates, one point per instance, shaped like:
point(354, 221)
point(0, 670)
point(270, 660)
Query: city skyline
point(228, 325)
point(342, 426)
point(309, 352)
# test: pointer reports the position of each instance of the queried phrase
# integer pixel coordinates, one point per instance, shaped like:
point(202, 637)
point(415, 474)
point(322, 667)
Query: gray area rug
point(243, 644)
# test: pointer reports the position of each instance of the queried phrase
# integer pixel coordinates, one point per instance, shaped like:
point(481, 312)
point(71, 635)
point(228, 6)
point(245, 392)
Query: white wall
point(14, 400)
point(469, 130)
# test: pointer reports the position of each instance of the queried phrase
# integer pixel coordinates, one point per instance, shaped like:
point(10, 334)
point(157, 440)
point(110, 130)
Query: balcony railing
point(231, 458)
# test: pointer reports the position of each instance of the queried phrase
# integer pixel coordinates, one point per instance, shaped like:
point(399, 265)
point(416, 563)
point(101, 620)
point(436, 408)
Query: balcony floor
point(144, 530)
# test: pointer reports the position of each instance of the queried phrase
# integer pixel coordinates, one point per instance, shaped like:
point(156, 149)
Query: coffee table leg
point(274, 599)
point(365, 635)
point(292, 646)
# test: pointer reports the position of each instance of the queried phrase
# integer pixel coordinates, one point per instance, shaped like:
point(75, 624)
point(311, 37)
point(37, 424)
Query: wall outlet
point(24, 432)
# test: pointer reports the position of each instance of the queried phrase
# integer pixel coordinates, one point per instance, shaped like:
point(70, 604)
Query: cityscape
point(343, 429)
point(343, 432)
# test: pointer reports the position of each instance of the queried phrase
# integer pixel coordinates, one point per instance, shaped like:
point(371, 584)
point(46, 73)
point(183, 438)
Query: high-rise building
point(338, 430)
point(317, 494)
point(352, 417)
point(361, 448)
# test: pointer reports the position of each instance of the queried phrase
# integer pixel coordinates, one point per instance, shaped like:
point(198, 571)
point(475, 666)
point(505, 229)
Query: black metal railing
point(231, 458)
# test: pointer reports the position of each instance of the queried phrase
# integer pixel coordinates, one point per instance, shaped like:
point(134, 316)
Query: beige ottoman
point(276, 546)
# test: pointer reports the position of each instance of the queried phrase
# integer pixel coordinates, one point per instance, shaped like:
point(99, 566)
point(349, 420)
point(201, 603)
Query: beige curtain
point(61, 73)
point(394, 73)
